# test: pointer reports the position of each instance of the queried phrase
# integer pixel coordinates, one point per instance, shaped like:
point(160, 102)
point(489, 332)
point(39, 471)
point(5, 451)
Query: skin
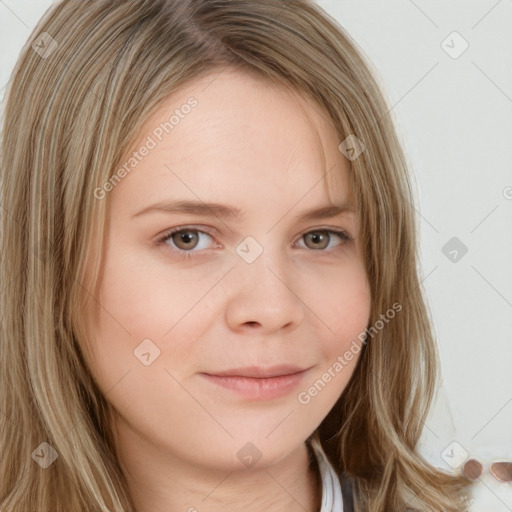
point(262, 148)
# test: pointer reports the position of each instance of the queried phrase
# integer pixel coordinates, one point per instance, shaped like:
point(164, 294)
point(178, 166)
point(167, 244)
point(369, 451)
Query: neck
point(161, 482)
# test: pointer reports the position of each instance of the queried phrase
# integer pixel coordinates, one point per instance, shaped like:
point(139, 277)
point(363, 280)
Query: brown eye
point(318, 239)
point(186, 242)
point(185, 239)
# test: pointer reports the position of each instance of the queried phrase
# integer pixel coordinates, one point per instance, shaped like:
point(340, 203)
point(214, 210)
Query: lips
point(258, 372)
point(258, 383)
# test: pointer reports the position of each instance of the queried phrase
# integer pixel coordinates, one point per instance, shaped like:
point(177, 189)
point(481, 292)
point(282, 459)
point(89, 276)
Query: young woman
point(210, 293)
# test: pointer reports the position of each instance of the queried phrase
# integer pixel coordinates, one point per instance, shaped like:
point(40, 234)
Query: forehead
point(231, 136)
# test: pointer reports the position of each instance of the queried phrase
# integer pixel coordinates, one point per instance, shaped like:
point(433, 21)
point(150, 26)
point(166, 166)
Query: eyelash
point(190, 254)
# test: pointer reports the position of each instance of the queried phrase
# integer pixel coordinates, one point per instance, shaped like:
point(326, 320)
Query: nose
point(264, 296)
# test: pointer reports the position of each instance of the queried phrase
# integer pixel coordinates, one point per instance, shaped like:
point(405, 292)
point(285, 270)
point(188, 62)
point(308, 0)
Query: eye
point(320, 238)
point(184, 240)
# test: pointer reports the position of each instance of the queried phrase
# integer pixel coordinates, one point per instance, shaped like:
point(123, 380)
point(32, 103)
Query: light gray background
point(454, 117)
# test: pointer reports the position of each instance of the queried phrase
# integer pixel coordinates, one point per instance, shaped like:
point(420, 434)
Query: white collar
point(332, 499)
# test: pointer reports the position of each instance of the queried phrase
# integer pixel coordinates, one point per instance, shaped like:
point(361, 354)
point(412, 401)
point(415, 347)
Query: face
point(255, 289)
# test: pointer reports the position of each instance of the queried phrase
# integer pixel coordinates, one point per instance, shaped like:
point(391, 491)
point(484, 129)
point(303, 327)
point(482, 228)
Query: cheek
point(342, 304)
point(139, 303)
point(344, 312)
point(350, 313)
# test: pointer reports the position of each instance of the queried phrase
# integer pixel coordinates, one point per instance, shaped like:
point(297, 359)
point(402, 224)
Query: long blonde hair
point(73, 108)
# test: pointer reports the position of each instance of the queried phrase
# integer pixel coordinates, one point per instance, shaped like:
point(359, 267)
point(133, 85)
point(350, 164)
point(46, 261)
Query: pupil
point(317, 237)
point(186, 237)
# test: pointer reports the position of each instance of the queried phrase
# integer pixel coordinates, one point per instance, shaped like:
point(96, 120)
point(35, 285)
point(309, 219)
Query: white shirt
point(332, 500)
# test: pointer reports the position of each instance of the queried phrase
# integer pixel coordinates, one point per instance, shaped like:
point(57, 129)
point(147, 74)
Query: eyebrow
point(231, 212)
